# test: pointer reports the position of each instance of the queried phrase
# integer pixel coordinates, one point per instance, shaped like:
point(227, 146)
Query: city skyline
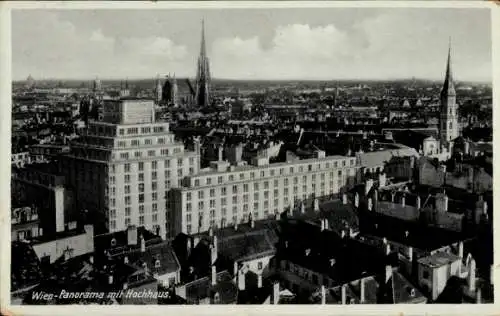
point(260, 44)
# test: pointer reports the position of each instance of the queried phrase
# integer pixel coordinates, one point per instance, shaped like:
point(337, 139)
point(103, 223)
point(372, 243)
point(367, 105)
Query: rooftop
point(438, 259)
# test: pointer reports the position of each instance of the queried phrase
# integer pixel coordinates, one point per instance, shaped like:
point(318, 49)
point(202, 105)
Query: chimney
point(418, 203)
point(461, 250)
point(393, 195)
point(382, 180)
point(478, 296)
point(132, 235)
point(388, 273)
point(241, 281)
point(189, 247)
point(362, 290)
point(327, 225)
point(344, 198)
point(213, 254)
point(236, 225)
point(356, 200)
point(91, 259)
point(322, 224)
point(235, 269)
point(252, 222)
point(143, 244)
point(316, 205)
point(259, 280)
point(410, 254)
point(110, 279)
point(471, 278)
point(403, 200)
point(214, 275)
point(344, 293)
point(368, 186)
point(219, 150)
point(387, 249)
point(370, 204)
point(210, 231)
point(125, 260)
point(276, 293)
point(343, 234)
point(323, 295)
point(302, 208)
point(276, 216)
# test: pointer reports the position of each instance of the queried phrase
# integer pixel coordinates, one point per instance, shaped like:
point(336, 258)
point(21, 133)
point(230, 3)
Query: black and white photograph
point(258, 155)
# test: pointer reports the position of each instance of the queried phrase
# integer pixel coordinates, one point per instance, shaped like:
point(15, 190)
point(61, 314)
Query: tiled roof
point(377, 158)
point(245, 246)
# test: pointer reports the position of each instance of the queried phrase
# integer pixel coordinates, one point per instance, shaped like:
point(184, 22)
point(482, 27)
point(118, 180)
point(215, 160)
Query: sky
point(301, 43)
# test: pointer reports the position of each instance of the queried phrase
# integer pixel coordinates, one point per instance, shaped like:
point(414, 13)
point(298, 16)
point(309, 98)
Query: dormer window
point(332, 262)
point(157, 263)
point(113, 242)
point(216, 298)
point(308, 252)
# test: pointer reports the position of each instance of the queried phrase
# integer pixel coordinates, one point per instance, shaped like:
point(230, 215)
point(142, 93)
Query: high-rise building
point(167, 90)
point(448, 120)
point(124, 166)
point(203, 73)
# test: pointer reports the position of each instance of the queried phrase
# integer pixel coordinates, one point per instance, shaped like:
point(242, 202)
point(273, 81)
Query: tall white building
point(124, 166)
point(225, 195)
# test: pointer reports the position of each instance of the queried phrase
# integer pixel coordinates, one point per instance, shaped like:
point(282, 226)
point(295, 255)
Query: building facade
point(124, 166)
point(229, 195)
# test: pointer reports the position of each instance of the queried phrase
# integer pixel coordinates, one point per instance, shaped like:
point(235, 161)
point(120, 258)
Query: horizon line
point(487, 81)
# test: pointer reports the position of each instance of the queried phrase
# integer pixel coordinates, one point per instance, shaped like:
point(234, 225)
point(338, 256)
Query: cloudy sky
point(316, 43)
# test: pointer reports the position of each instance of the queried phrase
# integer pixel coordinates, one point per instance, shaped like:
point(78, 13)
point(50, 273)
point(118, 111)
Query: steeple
point(448, 86)
point(203, 73)
point(203, 49)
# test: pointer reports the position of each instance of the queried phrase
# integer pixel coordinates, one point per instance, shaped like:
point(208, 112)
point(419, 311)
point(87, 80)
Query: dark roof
point(246, 246)
point(419, 236)
point(325, 252)
point(104, 242)
point(163, 252)
point(201, 289)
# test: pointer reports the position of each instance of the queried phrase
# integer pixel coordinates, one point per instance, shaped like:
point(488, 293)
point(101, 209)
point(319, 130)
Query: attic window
point(157, 263)
point(113, 242)
point(308, 251)
point(332, 262)
point(216, 298)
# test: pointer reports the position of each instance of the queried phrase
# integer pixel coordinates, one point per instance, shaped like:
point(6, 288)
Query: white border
point(5, 123)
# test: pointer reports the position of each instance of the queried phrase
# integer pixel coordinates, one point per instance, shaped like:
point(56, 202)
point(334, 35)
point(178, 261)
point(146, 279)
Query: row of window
point(144, 130)
point(263, 173)
point(146, 141)
point(128, 221)
point(127, 167)
point(235, 189)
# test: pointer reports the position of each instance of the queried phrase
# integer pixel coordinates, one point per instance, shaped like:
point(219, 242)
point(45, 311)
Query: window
point(188, 207)
point(127, 189)
point(127, 211)
point(231, 177)
point(141, 198)
point(223, 201)
point(141, 220)
point(167, 162)
point(212, 203)
point(112, 224)
point(188, 196)
point(147, 141)
point(259, 265)
point(127, 200)
point(245, 187)
point(154, 186)
point(155, 207)
point(235, 189)
point(154, 164)
point(141, 187)
point(112, 213)
point(209, 181)
point(223, 191)
point(212, 192)
point(201, 194)
point(141, 209)
point(127, 221)
point(154, 196)
point(155, 218)
point(154, 175)
point(151, 153)
point(242, 176)
point(219, 180)
point(256, 186)
point(266, 184)
point(141, 176)
point(197, 183)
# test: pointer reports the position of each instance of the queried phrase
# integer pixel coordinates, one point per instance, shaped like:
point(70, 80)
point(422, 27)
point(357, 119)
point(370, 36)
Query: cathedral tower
point(448, 119)
point(203, 73)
